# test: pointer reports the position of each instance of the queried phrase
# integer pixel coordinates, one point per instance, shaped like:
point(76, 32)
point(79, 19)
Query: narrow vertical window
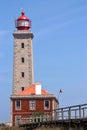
point(18, 105)
point(22, 88)
point(22, 45)
point(22, 74)
point(22, 59)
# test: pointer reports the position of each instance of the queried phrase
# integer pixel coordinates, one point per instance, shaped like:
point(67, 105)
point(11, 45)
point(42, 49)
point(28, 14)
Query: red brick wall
point(25, 105)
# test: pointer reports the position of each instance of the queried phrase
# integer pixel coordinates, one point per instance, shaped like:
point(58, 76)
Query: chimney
point(38, 88)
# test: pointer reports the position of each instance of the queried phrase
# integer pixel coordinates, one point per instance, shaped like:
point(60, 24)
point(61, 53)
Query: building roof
point(34, 91)
point(31, 90)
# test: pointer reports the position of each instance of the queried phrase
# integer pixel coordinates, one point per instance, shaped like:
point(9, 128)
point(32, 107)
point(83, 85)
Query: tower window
point(22, 74)
point(22, 59)
point(22, 88)
point(22, 45)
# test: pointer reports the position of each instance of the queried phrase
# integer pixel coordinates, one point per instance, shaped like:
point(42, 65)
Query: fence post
point(69, 113)
point(75, 114)
point(79, 111)
point(83, 113)
point(62, 113)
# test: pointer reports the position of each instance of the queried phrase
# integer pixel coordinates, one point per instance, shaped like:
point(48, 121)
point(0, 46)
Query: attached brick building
point(33, 100)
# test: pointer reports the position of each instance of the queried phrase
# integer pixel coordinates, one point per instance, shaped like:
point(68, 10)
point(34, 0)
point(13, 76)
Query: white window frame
point(16, 107)
point(32, 104)
point(17, 120)
point(45, 107)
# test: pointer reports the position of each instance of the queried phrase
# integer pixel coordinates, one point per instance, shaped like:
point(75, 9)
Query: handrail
point(76, 111)
point(65, 113)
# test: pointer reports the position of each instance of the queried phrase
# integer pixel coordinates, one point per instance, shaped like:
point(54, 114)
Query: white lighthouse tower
point(23, 75)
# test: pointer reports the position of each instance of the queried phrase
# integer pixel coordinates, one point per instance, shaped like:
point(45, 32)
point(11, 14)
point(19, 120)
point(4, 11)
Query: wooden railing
point(71, 112)
point(66, 113)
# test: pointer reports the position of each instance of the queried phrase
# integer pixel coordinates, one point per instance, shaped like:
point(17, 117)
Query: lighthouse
point(28, 98)
point(23, 72)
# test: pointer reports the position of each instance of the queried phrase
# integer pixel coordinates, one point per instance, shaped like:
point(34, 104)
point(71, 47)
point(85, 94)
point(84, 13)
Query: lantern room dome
point(23, 22)
point(22, 17)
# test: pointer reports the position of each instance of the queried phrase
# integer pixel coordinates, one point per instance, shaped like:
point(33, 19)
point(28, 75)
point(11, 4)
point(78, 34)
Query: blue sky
point(59, 47)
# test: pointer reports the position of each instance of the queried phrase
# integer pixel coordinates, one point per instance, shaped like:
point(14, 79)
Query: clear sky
point(59, 48)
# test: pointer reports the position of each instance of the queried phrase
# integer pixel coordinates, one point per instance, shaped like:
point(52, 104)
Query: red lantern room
point(23, 23)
